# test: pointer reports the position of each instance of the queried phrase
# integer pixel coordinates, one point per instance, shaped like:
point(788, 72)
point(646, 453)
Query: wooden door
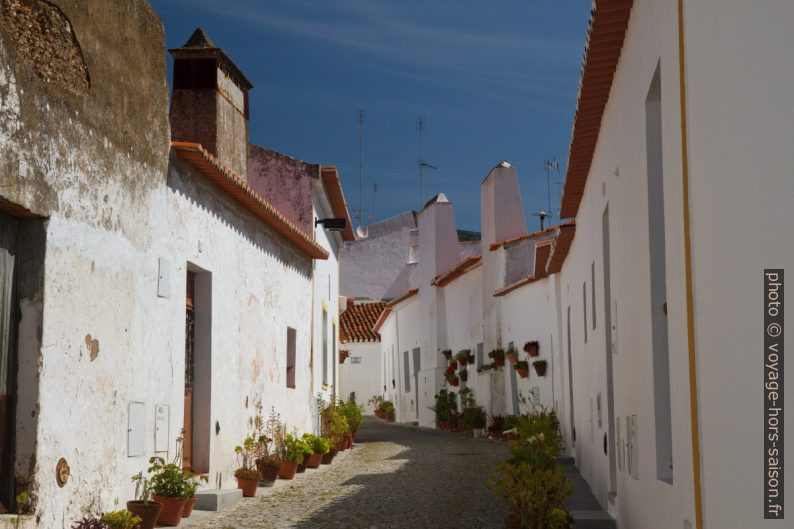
point(8, 308)
point(187, 441)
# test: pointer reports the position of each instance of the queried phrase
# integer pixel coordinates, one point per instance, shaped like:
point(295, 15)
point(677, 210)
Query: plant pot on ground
point(171, 514)
point(540, 367)
point(169, 485)
point(329, 456)
point(147, 511)
point(268, 469)
point(532, 348)
point(247, 474)
point(522, 368)
point(295, 449)
point(287, 470)
point(319, 447)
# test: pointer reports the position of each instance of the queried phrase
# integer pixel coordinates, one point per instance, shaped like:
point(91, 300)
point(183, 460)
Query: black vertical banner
point(773, 394)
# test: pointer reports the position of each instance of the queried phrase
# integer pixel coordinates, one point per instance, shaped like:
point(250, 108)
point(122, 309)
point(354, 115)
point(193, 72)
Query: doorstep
point(217, 499)
point(584, 508)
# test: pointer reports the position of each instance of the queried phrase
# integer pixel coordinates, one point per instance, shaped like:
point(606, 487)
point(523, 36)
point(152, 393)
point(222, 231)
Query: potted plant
point(522, 368)
point(295, 449)
point(496, 426)
point(532, 348)
point(269, 437)
point(483, 368)
point(334, 423)
point(354, 415)
point(247, 475)
point(498, 357)
point(511, 355)
point(192, 483)
point(168, 483)
point(123, 519)
point(454, 380)
point(464, 374)
point(540, 367)
point(319, 447)
point(143, 506)
point(463, 357)
point(447, 354)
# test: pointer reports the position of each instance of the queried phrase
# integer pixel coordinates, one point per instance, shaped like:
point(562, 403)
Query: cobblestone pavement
point(395, 477)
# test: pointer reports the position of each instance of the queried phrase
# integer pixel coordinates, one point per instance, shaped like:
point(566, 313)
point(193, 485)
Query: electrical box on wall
point(136, 429)
point(163, 278)
point(162, 419)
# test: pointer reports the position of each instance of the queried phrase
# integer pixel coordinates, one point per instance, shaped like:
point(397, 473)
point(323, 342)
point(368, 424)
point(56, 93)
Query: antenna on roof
point(360, 166)
point(372, 214)
point(549, 165)
point(422, 165)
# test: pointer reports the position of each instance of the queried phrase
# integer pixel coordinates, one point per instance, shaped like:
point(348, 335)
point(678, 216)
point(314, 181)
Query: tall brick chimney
point(209, 104)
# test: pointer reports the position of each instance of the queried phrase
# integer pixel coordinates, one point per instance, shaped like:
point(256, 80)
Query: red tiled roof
point(560, 246)
point(333, 187)
point(607, 29)
point(512, 286)
point(357, 322)
point(390, 305)
point(449, 276)
point(498, 244)
point(229, 181)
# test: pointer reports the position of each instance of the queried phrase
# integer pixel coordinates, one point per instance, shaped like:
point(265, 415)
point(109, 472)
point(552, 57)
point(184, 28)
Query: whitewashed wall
point(365, 378)
point(402, 332)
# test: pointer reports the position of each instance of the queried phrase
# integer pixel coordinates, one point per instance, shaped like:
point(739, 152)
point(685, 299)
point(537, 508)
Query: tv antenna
point(360, 166)
point(550, 165)
point(422, 164)
point(372, 213)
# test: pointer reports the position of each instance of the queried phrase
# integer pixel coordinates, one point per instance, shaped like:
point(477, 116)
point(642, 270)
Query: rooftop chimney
point(210, 101)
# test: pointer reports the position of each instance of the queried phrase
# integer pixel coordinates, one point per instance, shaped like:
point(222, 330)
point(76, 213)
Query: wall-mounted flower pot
point(532, 349)
point(171, 514)
point(464, 375)
point(189, 504)
point(148, 511)
point(463, 361)
point(470, 359)
point(455, 382)
point(287, 470)
point(540, 367)
point(328, 457)
point(314, 460)
point(523, 372)
point(512, 356)
point(248, 486)
point(447, 354)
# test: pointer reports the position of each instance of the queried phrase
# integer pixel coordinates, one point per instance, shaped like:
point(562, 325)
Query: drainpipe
point(693, 389)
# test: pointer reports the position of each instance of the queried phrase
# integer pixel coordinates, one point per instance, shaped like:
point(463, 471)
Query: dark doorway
point(190, 343)
point(8, 383)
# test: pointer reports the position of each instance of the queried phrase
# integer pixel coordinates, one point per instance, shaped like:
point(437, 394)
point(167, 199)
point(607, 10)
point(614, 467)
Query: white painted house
point(157, 289)
point(361, 370)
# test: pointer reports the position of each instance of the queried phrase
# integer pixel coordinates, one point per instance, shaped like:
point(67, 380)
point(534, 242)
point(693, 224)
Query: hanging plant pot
point(512, 356)
point(464, 374)
point(498, 357)
point(532, 349)
point(463, 361)
point(343, 356)
point(523, 372)
point(148, 511)
point(455, 382)
point(447, 354)
point(540, 367)
point(470, 359)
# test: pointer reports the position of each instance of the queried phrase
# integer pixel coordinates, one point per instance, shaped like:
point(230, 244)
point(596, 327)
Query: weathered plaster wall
point(285, 182)
point(364, 378)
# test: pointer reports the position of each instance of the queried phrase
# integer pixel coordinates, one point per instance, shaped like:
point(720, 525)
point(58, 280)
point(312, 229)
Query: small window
point(290, 357)
point(407, 371)
point(592, 289)
point(584, 309)
point(325, 346)
point(480, 359)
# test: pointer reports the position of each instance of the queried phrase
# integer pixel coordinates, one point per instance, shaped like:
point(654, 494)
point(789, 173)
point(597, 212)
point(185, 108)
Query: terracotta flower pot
point(499, 362)
point(328, 458)
point(301, 468)
point(287, 470)
point(470, 359)
point(354, 435)
point(189, 504)
point(523, 372)
point(269, 472)
point(148, 512)
point(462, 361)
point(540, 368)
point(455, 382)
point(512, 356)
point(248, 486)
point(314, 460)
point(464, 375)
point(532, 350)
point(341, 445)
point(171, 514)
point(349, 439)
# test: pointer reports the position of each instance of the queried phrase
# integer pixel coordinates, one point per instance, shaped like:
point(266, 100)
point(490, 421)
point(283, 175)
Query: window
point(407, 371)
point(584, 309)
point(658, 280)
point(592, 290)
point(325, 346)
point(480, 359)
point(290, 357)
point(334, 357)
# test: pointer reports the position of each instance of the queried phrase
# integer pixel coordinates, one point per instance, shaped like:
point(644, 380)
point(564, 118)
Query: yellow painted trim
point(325, 305)
point(690, 309)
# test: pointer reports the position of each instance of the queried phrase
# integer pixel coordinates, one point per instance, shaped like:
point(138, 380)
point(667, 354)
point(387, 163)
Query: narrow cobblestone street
point(395, 477)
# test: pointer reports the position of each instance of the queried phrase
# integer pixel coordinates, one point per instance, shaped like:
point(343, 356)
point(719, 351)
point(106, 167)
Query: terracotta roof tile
point(464, 266)
point(357, 322)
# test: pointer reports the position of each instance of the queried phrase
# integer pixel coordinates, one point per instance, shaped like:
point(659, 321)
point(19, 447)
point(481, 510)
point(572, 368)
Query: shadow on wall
point(197, 189)
point(431, 479)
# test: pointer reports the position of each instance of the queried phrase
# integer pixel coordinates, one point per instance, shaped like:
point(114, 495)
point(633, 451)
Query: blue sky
point(493, 81)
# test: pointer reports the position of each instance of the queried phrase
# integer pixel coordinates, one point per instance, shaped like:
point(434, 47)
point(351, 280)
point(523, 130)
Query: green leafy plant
point(387, 407)
point(295, 449)
point(445, 406)
point(354, 413)
point(167, 479)
point(319, 445)
point(192, 483)
point(123, 519)
point(334, 421)
point(521, 364)
point(498, 356)
point(246, 453)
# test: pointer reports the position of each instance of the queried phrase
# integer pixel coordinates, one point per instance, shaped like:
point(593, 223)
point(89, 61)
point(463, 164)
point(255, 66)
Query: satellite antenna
point(422, 164)
point(360, 165)
point(361, 232)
